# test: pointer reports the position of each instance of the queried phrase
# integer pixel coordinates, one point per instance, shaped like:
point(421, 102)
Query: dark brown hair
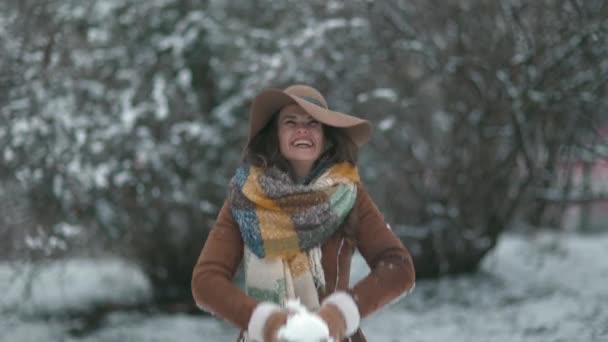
point(263, 149)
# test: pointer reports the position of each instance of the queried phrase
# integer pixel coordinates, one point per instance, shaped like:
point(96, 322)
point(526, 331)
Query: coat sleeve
point(391, 268)
point(212, 286)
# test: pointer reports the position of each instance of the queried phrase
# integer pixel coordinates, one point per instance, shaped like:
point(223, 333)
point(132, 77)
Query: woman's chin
point(303, 156)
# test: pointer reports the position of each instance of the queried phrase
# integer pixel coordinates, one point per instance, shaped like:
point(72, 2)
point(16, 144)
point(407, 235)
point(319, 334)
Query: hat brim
point(271, 101)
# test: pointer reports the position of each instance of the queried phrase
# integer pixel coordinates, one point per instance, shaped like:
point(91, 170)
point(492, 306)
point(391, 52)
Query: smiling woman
point(295, 213)
point(301, 139)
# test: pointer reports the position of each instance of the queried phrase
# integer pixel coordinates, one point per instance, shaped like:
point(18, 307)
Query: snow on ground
point(544, 287)
point(70, 286)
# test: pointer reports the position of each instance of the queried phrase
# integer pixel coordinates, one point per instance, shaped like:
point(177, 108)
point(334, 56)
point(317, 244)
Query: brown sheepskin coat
point(391, 268)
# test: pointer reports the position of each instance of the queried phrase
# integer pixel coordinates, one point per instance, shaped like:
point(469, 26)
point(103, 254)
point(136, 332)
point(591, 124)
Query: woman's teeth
point(302, 143)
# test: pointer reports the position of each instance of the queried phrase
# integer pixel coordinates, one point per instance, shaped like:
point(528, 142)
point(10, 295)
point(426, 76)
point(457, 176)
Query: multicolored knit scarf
point(283, 224)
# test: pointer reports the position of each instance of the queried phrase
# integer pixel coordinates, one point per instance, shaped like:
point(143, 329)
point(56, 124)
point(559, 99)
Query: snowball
point(303, 325)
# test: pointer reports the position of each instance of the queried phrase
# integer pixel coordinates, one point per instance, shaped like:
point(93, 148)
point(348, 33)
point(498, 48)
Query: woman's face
point(301, 139)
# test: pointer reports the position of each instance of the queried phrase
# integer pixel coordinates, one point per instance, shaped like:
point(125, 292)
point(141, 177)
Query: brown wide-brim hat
point(271, 101)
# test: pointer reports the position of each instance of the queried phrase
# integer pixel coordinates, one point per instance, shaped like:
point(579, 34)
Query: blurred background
point(121, 122)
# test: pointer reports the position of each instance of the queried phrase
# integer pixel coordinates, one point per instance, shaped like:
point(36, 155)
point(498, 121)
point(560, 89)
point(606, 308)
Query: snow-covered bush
point(125, 118)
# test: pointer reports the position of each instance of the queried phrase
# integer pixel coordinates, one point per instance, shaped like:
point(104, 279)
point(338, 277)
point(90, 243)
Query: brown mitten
point(341, 313)
point(265, 322)
point(334, 320)
point(274, 322)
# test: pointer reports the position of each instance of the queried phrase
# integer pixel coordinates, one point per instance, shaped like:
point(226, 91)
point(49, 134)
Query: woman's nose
point(301, 129)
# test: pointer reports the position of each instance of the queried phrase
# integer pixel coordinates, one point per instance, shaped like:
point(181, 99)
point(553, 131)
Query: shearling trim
point(347, 306)
point(255, 328)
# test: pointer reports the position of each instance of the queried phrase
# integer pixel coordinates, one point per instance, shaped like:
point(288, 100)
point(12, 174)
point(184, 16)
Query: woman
point(295, 213)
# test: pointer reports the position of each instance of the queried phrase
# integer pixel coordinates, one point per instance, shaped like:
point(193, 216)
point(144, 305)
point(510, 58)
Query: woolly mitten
point(341, 314)
point(265, 322)
point(334, 320)
point(273, 324)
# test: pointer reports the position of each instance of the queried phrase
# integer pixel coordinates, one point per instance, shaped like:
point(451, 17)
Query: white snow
point(386, 123)
point(303, 325)
point(56, 288)
point(162, 103)
point(387, 94)
point(548, 287)
point(543, 287)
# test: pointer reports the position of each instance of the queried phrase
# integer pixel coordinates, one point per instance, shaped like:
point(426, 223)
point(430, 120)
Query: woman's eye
point(313, 123)
point(290, 122)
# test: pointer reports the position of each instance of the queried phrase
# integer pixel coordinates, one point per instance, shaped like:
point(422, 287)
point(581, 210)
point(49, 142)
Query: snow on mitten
point(303, 325)
point(266, 320)
point(273, 324)
point(341, 314)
